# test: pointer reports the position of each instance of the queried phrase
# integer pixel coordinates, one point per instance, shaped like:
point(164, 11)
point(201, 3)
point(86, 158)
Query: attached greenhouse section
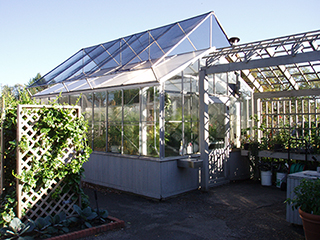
point(166, 108)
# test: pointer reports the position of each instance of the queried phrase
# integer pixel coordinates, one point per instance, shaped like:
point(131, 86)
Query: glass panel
point(64, 100)
point(232, 78)
point(235, 119)
point(89, 136)
point(98, 54)
point(173, 138)
point(183, 47)
point(192, 70)
point(115, 106)
point(100, 106)
point(191, 137)
point(170, 38)
point(152, 139)
point(189, 24)
point(203, 30)
point(87, 107)
point(174, 84)
point(44, 101)
point(191, 107)
point(217, 128)
point(211, 84)
point(155, 51)
point(219, 39)
point(150, 104)
point(221, 83)
point(114, 137)
point(77, 66)
point(158, 32)
point(173, 106)
point(75, 100)
point(54, 74)
point(131, 139)
point(99, 141)
point(149, 134)
point(131, 106)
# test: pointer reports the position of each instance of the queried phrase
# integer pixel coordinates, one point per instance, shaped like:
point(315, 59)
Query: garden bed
point(112, 225)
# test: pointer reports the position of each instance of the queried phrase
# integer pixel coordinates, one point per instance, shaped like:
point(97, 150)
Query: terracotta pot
point(311, 225)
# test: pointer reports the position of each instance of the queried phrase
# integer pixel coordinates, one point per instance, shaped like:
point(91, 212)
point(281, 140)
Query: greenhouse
point(170, 108)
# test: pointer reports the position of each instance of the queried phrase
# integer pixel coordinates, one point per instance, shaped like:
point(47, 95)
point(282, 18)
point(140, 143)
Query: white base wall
point(148, 177)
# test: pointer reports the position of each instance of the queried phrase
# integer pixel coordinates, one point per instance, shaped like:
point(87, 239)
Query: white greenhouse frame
point(235, 78)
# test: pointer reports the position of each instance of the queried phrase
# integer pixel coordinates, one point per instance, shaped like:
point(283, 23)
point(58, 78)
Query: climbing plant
point(58, 130)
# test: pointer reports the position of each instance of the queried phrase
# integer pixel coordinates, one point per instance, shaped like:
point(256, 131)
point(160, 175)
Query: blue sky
point(38, 35)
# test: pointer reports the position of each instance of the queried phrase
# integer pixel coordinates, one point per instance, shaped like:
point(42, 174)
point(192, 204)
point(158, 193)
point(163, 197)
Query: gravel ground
point(238, 210)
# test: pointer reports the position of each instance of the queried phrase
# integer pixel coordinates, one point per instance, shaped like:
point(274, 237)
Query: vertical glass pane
point(131, 108)
point(64, 100)
point(87, 106)
point(99, 136)
point(75, 100)
point(149, 131)
point(211, 84)
point(131, 139)
point(100, 103)
point(235, 128)
point(115, 106)
point(44, 101)
point(217, 129)
point(99, 141)
point(221, 83)
point(173, 138)
point(152, 139)
point(87, 113)
point(173, 106)
point(114, 137)
point(174, 84)
point(191, 107)
point(191, 137)
point(149, 104)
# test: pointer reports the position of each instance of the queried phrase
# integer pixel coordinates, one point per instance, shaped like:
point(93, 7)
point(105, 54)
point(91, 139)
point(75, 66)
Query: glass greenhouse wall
point(143, 97)
point(126, 121)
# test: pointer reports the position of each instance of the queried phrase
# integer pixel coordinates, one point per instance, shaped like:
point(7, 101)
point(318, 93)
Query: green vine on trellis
point(56, 126)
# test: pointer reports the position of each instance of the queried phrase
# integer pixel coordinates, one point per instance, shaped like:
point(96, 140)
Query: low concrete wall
point(149, 177)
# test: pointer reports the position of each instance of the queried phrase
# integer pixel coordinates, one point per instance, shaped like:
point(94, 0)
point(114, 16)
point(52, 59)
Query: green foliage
point(53, 225)
point(48, 226)
point(17, 229)
point(9, 125)
point(55, 126)
point(307, 196)
point(87, 215)
point(8, 203)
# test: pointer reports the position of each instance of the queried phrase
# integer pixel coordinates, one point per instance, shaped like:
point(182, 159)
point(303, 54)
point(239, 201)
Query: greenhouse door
point(218, 112)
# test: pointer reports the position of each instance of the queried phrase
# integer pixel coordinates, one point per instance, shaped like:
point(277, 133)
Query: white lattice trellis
point(39, 202)
point(217, 161)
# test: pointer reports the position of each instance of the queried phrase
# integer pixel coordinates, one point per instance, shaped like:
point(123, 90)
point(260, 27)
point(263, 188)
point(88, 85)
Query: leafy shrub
point(307, 196)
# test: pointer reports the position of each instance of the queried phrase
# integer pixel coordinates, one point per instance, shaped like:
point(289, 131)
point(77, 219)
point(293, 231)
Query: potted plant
point(307, 200)
point(266, 173)
point(245, 139)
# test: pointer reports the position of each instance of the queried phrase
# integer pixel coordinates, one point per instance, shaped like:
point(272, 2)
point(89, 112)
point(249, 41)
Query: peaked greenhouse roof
point(140, 54)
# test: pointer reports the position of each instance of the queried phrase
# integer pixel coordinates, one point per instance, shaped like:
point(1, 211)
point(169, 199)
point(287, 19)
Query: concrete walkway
point(238, 210)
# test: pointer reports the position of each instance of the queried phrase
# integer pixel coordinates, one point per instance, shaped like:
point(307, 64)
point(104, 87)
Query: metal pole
point(204, 129)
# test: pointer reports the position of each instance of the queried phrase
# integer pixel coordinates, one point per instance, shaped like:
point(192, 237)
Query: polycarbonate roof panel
point(151, 46)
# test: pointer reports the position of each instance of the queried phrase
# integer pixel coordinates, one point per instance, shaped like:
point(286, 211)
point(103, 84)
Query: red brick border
point(115, 224)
